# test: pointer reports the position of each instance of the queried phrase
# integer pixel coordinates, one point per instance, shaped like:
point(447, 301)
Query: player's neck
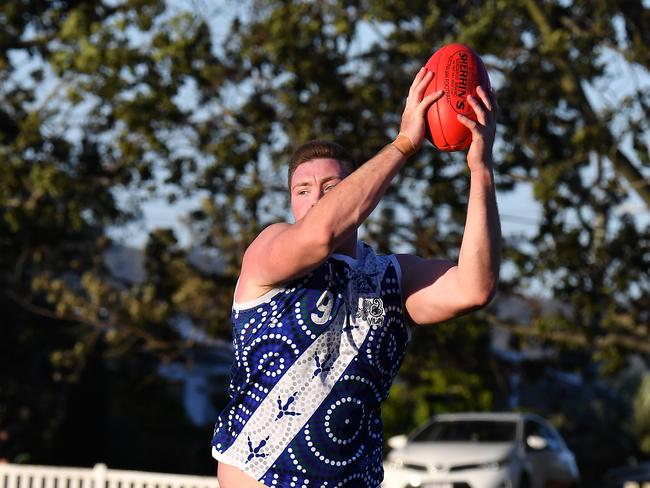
point(349, 247)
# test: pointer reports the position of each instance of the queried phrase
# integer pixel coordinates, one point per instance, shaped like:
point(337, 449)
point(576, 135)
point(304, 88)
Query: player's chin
point(298, 216)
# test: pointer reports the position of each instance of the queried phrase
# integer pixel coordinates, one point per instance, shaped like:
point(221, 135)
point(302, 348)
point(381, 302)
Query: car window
point(468, 431)
point(532, 428)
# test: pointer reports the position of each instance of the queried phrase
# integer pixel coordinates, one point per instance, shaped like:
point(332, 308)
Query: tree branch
point(628, 342)
point(152, 342)
point(622, 164)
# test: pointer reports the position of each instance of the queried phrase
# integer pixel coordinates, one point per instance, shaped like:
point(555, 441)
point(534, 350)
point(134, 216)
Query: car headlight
point(488, 466)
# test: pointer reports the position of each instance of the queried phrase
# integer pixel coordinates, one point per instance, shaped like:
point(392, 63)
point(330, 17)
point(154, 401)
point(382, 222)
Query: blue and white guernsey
point(313, 362)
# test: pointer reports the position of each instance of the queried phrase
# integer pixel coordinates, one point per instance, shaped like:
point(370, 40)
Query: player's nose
point(317, 196)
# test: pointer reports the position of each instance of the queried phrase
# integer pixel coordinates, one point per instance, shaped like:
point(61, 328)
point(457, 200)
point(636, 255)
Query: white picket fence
point(28, 476)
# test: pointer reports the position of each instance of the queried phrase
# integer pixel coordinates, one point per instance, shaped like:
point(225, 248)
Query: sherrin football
point(458, 70)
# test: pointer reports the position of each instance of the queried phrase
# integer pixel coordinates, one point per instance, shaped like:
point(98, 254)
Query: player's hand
point(413, 117)
point(479, 155)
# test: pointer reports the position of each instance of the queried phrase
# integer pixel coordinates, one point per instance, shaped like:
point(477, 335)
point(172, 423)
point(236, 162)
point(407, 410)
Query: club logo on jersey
point(371, 310)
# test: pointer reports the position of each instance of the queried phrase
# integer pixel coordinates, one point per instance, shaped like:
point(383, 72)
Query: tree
point(89, 113)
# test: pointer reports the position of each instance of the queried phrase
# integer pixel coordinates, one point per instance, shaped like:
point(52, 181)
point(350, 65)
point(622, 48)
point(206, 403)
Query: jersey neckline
point(349, 259)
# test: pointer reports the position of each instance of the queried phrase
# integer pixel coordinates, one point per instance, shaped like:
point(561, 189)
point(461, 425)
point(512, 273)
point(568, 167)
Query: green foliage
point(89, 96)
point(447, 368)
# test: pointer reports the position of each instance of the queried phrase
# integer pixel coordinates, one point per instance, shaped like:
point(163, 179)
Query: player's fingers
point(467, 122)
point(422, 85)
point(430, 100)
point(420, 74)
point(478, 108)
point(485, 98)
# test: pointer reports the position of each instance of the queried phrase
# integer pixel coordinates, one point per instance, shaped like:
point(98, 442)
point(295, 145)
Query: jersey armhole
point(241, 306)
point(407, 321)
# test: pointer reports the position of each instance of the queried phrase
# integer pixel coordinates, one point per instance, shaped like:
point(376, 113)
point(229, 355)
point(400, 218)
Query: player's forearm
point(340, 212)
point(480, 251)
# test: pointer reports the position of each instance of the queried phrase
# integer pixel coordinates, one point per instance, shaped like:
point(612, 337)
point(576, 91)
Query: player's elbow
point(481, 296)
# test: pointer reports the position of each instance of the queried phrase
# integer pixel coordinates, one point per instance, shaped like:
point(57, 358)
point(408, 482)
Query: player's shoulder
point(255, 258)
point(258, 251)
point(267, 235)
point(275, 228)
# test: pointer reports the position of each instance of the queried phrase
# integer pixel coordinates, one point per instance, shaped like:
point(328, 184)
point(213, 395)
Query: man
point(321, 322)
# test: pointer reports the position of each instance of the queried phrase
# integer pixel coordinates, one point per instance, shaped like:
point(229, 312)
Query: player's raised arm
point(438, 290)
point(329, 204)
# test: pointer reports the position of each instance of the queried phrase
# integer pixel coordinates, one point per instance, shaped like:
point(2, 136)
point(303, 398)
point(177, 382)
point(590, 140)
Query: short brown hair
point(320, 150)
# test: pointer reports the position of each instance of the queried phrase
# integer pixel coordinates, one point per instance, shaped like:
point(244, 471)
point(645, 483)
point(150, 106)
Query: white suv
point(481, 450)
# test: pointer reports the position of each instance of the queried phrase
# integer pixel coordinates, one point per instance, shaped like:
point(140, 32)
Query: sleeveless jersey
point(313, 361)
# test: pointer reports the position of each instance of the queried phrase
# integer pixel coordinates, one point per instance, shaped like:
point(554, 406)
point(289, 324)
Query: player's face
point(311, 181)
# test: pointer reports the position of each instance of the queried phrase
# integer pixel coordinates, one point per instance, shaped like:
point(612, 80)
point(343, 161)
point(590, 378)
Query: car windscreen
point(468, 431)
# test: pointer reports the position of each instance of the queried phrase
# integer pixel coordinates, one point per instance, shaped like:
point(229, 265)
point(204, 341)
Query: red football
point(458, 70)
